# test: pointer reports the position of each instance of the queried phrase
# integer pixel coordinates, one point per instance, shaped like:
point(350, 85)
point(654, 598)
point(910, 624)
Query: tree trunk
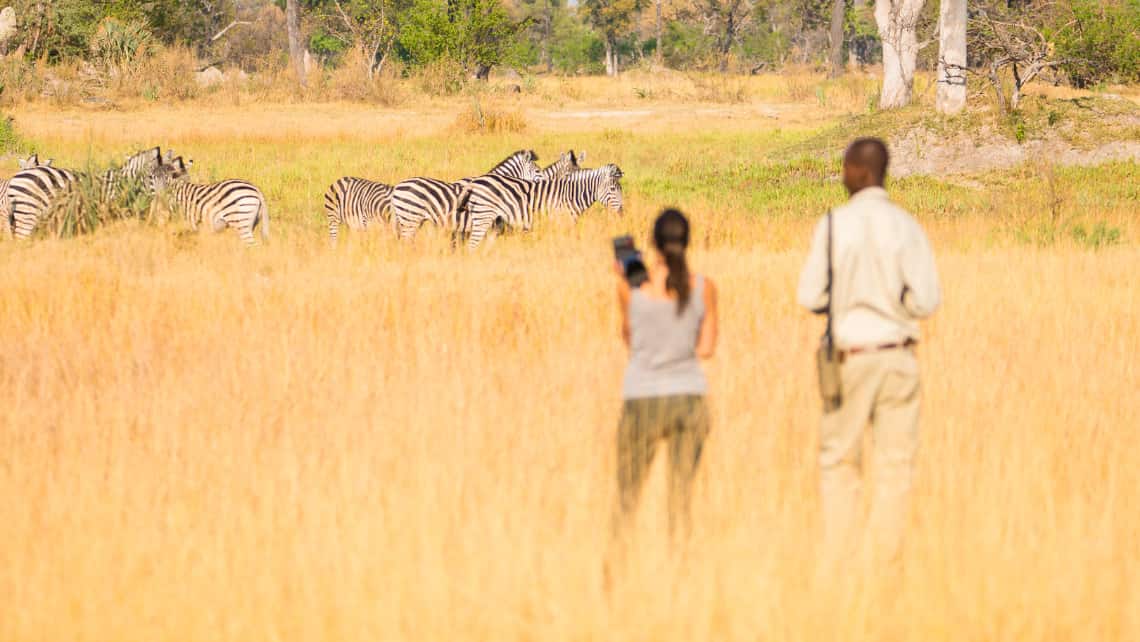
point(547, 35)
point(296, 51)
point(657, 52)
point(952, 57)
point(611, 58)
point(854, 59)
point(898, 23)
point(838, 8)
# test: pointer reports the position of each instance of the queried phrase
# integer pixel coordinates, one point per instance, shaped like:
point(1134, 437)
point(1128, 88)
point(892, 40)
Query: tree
point(838, 13)
point(898, 30)
point(296, 51)
point(1009, 40)
point(367, 26)
point(657, 33)
point(724, 21)
point(479, 34)
point(952, 56)
point(614, 19)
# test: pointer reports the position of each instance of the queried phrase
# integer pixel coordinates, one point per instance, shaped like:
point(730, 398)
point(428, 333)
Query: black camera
point(630, 260)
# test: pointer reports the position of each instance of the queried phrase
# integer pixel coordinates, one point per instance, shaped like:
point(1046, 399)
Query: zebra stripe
point(5, 207)
point(33, 191)
point(565, 164)
point(230, 203)
point(417, 200)
point(356, 202)
point(427, 199)
point(515, 202)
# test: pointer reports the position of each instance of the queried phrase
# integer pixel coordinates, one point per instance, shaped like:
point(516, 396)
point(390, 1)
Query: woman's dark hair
point(671, 236)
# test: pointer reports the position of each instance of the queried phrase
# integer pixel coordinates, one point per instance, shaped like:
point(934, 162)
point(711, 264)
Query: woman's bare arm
point(706, 342)
point(623, 293)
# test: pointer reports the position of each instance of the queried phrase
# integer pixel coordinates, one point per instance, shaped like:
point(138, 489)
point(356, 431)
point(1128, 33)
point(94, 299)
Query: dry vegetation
point(389, 442)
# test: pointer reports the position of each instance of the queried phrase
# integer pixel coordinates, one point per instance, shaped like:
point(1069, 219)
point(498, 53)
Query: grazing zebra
point(416, 200)
point(515, 202)
point(5, 209)
point(230, 203)
point(135, 168)
point(356, 202)
point(33, 191)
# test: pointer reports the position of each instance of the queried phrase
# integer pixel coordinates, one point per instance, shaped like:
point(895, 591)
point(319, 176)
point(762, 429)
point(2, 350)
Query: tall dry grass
point(400, 442)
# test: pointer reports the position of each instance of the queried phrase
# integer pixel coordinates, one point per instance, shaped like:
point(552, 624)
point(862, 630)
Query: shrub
point(9, 140)
point(1101, 40)
point(83, 210)
point(576, 49)
point(478, 120)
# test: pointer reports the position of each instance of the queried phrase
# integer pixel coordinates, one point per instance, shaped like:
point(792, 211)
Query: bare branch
point(228, 27)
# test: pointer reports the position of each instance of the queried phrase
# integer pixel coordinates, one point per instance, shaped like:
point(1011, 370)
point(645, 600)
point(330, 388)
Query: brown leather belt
point(843, 354)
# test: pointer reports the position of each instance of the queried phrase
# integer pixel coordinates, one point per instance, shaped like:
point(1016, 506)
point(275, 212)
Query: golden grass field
point(393, 442)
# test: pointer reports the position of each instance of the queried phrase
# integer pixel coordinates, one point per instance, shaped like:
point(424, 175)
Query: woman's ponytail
point(671, 236)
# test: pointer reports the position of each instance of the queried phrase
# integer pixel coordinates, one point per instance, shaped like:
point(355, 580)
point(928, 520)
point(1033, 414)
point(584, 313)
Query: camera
point(630, 259)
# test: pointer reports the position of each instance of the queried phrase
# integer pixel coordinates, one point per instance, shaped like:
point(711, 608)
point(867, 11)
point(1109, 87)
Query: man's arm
point(921, 294)
point(812, 291)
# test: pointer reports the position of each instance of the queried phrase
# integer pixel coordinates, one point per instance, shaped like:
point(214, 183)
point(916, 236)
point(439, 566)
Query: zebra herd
point(510, 194)
point(38, 186)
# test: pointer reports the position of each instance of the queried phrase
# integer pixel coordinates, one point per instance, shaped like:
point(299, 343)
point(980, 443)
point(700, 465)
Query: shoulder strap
point(827, 332)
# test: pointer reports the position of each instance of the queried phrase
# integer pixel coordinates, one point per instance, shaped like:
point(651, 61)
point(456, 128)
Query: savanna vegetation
point(404, 442)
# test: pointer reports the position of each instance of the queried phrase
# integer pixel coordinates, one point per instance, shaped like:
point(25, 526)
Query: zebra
point(230, 203)
point(5, 209)
point(135, 167)
point(31, 192)
point(420, 199)
point(514, 201)
point(565, 164)
point(356, 202)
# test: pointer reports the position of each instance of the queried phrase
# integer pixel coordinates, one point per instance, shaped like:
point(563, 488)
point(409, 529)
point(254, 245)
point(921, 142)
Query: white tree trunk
point(611, 58)
point(657, 52)
point(898, 24)
point(952, 57)
point(296, 51)
point(838, 13)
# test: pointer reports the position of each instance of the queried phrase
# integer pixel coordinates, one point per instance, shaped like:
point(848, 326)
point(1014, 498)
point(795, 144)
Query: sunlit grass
point(402, 442)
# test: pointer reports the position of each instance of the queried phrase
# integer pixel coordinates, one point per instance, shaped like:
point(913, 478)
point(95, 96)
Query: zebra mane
point(522, 155)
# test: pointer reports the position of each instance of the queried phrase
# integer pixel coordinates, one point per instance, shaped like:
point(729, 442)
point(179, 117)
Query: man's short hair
point(870, 154)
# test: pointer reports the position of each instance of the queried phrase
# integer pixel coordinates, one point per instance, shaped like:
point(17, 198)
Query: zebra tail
point(263, 214)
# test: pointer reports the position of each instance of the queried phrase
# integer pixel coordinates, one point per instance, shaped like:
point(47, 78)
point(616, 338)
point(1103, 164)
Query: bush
point(1101, 39)
point(82, 209)
point(686, 46)
point(478, 120)
point(9, 140)
point(575, 48)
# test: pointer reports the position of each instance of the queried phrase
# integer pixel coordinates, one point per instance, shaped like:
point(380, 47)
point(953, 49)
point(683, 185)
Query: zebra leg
point(245, 231)
point(334, 226)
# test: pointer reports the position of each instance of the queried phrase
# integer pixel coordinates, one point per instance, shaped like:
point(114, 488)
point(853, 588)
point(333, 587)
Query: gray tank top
point(663, 346)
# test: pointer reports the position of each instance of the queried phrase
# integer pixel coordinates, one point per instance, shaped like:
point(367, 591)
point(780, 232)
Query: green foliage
point(576, 49)
point(1100, 235)
point(10, 141)
point(613, 18)
point(685, 46)
point(1101, 39)
point(426, 35)
point(116, 43)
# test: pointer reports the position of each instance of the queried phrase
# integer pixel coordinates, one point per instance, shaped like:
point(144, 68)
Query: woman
point(668, 323)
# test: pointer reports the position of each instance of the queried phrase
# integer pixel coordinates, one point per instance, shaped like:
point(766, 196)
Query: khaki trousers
point(682, 421)
point(880, 389)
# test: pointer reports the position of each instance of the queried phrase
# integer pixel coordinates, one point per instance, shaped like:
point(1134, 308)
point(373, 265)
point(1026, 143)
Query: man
point(883, 280)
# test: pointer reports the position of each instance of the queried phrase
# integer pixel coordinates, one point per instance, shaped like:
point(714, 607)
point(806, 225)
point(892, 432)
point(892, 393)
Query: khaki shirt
point(884, 278)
